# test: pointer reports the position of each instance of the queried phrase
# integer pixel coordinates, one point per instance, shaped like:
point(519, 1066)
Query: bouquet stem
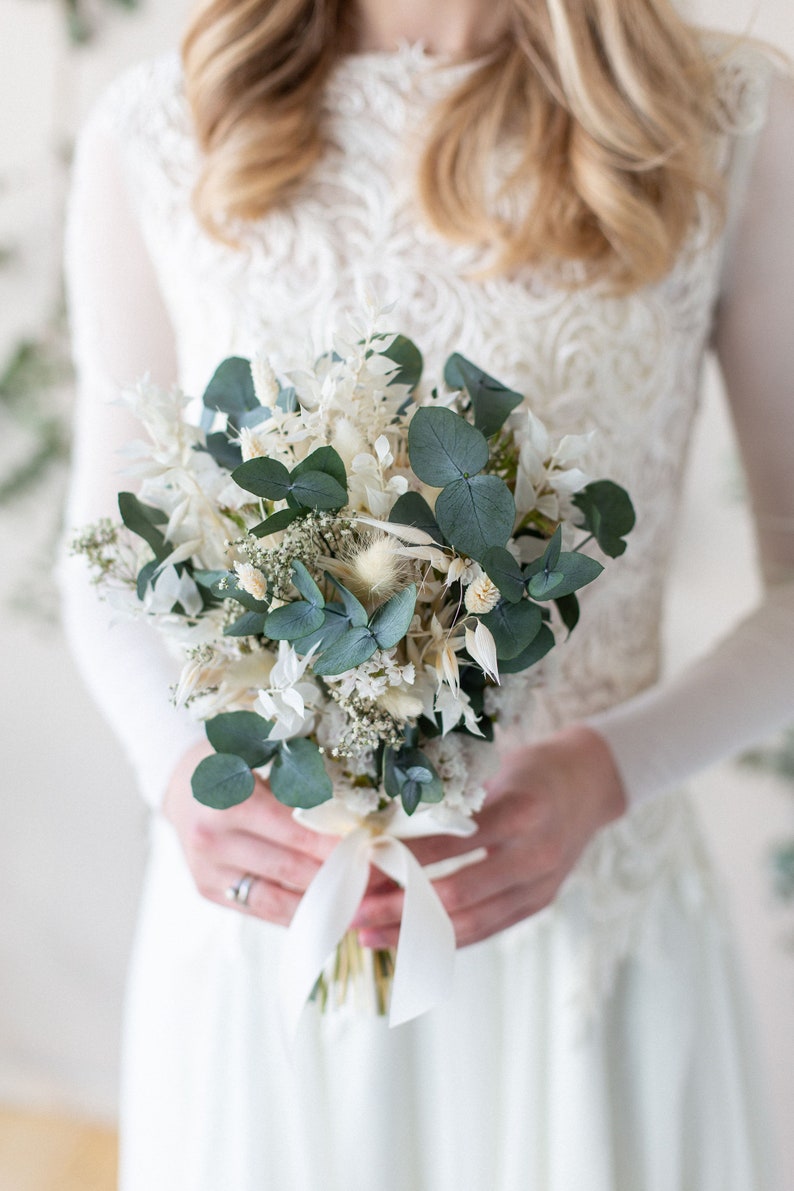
point(356, 976)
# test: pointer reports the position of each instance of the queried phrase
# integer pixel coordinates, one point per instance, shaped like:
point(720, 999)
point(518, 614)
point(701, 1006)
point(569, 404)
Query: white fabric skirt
point(518, 1083)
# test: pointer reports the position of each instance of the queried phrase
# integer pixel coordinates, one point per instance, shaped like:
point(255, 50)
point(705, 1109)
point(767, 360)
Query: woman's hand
point(543, 806)
point(259, 838)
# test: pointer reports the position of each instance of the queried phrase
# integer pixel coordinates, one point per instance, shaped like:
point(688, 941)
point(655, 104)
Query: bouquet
point(356, 576)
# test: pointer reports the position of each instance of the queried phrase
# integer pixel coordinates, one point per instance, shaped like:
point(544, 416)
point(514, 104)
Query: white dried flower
point(251, 580)
point(266, 386)
point(482, 596)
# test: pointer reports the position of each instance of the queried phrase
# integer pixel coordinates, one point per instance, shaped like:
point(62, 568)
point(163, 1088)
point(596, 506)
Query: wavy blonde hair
point(611, 104)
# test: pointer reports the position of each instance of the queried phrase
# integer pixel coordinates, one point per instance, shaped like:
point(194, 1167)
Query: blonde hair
point(612, 104)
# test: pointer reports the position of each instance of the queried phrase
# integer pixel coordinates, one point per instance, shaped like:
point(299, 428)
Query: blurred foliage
point(81, 17)
point(34, 369)
point(778, 759)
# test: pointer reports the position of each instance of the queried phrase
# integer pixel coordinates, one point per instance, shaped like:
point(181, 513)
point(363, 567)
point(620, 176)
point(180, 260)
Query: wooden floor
point(55, 1154)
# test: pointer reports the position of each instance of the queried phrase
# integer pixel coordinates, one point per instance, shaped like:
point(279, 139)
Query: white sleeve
point(744, 689)
point(121, 331)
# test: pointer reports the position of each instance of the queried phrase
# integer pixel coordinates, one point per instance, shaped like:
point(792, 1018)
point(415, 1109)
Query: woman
point(580, 195)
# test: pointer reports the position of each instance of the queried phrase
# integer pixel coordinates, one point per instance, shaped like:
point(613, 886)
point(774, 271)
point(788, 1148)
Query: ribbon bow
point(426, 948)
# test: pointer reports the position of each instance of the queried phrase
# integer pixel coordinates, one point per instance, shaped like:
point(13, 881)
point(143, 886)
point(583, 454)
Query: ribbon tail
point(323, 915)
point(425, 963)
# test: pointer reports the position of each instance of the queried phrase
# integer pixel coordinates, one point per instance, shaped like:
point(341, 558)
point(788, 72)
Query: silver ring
point(241, 891)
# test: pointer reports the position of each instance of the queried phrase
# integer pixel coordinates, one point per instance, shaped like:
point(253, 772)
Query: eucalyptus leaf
point(412, 509)
point(349, 650)
point(292, 621)
point(568, 608)
point(608, 514)
point(231, 389)
point(574, 571)
point(442, 446)
point(145, 576)
point(354, 609)
point(210, 579)
point(390, 622)
point(143, 520)
point(476, 514)
point(545, 584)
point(287, 400)
point(250, 624)
point(243, 733)
point(225, 453)
point(306, 585)
point(513, 627)
point(406, 355)
point(335, 622)
point(278, 521)
point(264, 477)
point(503, 570)
point(222, 780)
point(537, 649)
point(324, 459)
point(318, 490)
point(298, 776)
point(491, 401)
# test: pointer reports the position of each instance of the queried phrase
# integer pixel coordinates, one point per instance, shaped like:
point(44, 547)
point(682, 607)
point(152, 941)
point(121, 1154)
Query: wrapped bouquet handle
point(426, 949)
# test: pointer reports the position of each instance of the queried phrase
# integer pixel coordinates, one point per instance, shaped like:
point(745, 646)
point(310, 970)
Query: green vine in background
point(80, 25)
point(778, 759)
point(33, 370)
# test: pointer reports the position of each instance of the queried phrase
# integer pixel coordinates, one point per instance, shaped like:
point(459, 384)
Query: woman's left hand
point(544, 805)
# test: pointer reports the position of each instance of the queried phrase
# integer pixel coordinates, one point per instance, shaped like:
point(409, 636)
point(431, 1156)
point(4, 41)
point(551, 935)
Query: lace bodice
point(628, 367)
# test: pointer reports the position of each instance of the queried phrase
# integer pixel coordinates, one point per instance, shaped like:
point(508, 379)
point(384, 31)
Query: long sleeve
point(743, 689)
point(120, 332)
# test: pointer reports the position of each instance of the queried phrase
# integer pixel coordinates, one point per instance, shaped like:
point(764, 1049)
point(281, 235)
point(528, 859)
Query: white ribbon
point(426, 947)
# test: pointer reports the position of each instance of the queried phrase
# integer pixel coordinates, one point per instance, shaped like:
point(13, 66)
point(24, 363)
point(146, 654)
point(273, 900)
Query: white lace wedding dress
point(598, 1046)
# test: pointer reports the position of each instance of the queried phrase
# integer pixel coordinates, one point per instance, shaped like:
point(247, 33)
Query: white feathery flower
point(481, 596)
point(377, 570)
point(251, 579)
point(482, 647)
point(266, 385)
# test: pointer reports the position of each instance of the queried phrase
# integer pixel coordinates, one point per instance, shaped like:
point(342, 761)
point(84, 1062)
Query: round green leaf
point(500, 567)
point(412, 509)
point(513, 627)
point(537, 649)
point(491, 401)
point(608, 514)
point(250, 624)
point(476, 514)
point(243, 733)
point(293, 620)
point(572, 572)
point(263, 477)
point(349, 650)
point(231, 389)
point(324, 459)
point(318, 490)
point(306, 585)
point(390, 623)
point(443, 446)
point(298, 776)
point(221, 781)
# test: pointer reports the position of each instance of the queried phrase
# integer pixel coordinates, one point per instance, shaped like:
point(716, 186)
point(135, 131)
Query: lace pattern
point(627, 366)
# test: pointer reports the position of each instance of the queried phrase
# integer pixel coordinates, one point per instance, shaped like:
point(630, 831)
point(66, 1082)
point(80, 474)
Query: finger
point(269, 861)
point(506, 818)
point(262, 815)
point(490, 917)
point(271, 903)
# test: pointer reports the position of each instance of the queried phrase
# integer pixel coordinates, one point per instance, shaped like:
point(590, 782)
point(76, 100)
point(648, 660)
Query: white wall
point(72, 836)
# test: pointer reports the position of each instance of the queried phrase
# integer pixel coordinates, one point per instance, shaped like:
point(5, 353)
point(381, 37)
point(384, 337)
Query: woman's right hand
point(259, 838)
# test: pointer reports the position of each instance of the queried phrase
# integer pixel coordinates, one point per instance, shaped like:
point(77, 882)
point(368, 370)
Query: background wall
point(73, 833)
